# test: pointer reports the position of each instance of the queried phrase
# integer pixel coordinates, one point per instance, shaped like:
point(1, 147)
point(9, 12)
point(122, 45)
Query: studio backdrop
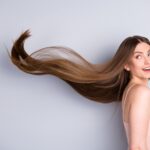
point(43, 112)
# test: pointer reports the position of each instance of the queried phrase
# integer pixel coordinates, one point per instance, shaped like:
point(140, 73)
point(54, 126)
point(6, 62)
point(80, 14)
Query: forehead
point(142, 47)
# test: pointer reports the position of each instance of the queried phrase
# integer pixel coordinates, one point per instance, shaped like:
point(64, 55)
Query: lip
point(146, 70)
point(147, 67)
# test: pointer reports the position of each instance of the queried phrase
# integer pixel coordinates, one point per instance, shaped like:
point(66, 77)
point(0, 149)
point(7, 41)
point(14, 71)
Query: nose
point(147, 61)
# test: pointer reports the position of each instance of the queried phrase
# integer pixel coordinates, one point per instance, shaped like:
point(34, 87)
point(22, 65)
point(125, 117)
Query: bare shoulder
point(139, 93)
point(139, 87)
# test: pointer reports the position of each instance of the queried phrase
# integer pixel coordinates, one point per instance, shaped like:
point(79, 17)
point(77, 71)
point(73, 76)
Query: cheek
point(136, 65)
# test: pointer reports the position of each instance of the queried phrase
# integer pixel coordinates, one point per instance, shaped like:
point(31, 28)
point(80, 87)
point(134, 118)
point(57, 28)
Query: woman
point(136, 98)
point(123, 78)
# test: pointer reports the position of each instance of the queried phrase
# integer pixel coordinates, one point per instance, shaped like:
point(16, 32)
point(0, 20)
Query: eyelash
point(137, 56)
point(140, 55)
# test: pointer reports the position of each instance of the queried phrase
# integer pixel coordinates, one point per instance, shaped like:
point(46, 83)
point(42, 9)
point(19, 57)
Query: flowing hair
point(103, 82)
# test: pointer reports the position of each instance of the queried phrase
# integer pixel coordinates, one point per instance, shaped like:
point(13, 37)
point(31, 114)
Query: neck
point(139, 81)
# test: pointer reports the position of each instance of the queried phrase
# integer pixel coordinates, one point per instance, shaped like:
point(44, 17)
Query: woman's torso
point(125, 109)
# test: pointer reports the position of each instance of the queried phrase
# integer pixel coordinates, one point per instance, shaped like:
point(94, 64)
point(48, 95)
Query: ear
point(126, 67)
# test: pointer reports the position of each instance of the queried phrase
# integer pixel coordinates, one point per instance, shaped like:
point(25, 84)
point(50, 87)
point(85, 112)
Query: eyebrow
point(139, 51)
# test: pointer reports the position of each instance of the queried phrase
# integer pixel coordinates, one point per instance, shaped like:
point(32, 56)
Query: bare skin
point(137, 108)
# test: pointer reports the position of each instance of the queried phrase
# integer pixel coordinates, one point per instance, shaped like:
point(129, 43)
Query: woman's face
point(140, 60)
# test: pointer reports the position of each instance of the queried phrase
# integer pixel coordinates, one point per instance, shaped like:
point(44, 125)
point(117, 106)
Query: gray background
point(43, 112)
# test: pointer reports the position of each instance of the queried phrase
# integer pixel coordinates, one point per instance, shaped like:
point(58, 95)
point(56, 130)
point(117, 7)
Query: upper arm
point(139, 115)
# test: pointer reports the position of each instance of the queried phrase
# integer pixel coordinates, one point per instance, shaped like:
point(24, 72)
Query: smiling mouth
point(146, 69)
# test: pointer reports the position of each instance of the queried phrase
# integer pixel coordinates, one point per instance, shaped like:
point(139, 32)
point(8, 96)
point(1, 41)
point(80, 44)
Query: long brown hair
point(99, 82)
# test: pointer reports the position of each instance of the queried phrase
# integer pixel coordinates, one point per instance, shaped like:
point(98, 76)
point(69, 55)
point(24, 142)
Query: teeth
point(147, 68)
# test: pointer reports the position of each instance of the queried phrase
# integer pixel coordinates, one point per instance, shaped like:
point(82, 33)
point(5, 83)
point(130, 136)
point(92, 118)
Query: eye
point(138, 57)
point(149, 54)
